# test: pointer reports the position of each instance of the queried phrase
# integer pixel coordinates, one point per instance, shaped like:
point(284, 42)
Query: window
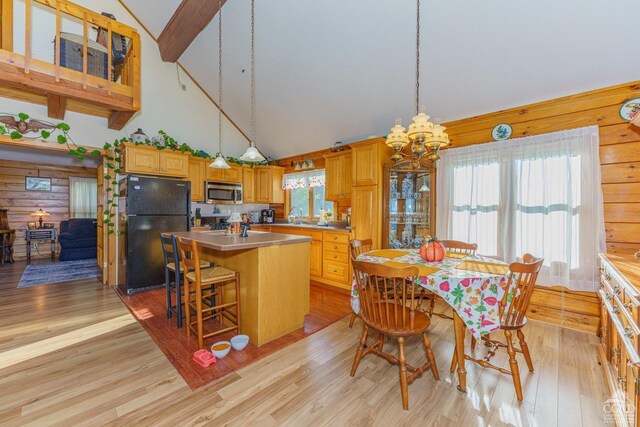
point(83, 197)
point(307, 192)
point(540, 195)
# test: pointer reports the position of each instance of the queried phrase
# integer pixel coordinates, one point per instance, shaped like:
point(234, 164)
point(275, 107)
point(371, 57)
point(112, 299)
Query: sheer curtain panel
point(540, 194)
point(83, 197)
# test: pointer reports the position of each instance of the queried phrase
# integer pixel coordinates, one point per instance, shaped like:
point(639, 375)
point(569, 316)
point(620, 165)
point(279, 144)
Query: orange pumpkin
point(433, 251)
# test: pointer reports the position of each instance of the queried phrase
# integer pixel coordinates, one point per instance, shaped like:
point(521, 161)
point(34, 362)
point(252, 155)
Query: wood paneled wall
point(21, 203)
point(619, 148)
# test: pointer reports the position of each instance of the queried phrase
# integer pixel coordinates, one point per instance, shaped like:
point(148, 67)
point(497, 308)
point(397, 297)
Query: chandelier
point(426, 138)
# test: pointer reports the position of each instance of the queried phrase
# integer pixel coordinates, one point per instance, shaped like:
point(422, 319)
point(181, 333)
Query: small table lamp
point(40, 213)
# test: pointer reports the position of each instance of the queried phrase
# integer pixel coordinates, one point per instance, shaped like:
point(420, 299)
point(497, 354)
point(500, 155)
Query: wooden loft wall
point(620, 167)
point(21, 203)
point(619, 148)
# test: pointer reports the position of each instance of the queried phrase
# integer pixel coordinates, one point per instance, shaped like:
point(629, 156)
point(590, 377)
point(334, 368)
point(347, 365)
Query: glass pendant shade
point(421, 128)
point(439, 139)
point(252, 155)
point(220, 162)
point(398, 137)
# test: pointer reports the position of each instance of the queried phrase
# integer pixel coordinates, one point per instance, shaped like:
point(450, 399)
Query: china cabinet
point(409, 204)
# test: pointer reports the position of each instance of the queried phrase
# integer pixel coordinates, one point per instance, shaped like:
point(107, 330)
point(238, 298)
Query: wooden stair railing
point(53, 84)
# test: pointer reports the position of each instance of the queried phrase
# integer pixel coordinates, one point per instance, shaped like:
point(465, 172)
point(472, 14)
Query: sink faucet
point(295, 215)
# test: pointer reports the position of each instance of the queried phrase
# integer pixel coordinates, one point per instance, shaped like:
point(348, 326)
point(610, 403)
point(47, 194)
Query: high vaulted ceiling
point(345, 69)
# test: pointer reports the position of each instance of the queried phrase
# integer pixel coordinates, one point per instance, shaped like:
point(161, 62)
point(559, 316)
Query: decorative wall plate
point(501, 131)
point(630, 108)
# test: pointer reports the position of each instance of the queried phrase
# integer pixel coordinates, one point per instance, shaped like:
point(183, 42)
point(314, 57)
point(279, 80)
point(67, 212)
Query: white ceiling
point(345, 69)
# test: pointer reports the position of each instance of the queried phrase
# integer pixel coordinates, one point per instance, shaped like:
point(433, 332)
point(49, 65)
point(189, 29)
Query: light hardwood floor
point(71, 354)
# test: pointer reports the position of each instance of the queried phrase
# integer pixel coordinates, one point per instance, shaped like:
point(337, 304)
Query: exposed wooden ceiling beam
point(184, 26)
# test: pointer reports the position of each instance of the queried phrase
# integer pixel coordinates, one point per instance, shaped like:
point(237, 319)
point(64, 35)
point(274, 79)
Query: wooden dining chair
point(521, 282)
point(457, 247)
point(357, 247)
point(392, 310)
point(208, 285)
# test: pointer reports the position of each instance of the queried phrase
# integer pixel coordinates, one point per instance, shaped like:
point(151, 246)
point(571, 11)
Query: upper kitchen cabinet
point(338, 175)
point(248, 184)
point(79, 74)
point(197, 175)
point(142, 159)
point(368, 157)
point(268, 184)
point(232, 174)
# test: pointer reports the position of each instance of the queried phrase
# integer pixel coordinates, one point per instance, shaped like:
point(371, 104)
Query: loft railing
point(122, 96)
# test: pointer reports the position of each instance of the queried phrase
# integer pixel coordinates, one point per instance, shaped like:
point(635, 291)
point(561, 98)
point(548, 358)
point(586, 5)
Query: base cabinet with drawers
point(620, 336)
point(329, 253)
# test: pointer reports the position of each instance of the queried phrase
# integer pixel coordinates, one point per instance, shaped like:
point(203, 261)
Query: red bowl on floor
point(204, 358)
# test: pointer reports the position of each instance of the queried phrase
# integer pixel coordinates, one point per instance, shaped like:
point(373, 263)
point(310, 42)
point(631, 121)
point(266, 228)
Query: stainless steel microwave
point(224, 193)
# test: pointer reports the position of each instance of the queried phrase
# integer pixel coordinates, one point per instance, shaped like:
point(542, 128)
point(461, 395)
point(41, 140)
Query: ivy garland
point(112, 152)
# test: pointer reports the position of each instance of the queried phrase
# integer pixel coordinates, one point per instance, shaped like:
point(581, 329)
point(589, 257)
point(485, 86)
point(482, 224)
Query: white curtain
point(540, 194)
point(315, 178)
point(83, 197)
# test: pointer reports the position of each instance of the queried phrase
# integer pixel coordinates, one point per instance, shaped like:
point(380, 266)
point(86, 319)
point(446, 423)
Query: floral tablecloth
point(475, 296)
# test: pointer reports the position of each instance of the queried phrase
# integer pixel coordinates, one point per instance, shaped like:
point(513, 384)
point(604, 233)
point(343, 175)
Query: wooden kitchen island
point(274, 278)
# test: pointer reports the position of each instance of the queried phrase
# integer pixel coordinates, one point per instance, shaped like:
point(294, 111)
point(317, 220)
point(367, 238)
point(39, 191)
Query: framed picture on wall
point(37, 184)
point(32, 225)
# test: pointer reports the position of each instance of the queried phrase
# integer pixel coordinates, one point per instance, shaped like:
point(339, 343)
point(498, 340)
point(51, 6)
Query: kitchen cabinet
point(338, 176)
point(366, 167)
point(335, 257)
point(620, 335)
point(232, 174)
point(197, 174)
point(142, 159)
point(268, 184)
point(316, 244)
point(174, 164)
point(248, 185)
point(365, 219)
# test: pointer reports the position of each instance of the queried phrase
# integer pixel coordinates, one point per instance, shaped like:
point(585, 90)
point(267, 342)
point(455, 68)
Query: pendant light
point(425, 137)
point(220, 162)
point(252, 154)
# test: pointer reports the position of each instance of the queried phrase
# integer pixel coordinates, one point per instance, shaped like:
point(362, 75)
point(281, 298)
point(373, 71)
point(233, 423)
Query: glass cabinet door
point(409, 199)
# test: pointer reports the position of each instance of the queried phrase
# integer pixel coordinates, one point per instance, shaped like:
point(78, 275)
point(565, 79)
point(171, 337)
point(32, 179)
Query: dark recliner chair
point(78, 239)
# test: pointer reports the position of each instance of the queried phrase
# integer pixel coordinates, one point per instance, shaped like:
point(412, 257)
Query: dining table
point(473, 285)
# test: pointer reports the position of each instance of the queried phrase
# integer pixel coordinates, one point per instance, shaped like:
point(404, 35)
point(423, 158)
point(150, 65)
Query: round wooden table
point(473, 285)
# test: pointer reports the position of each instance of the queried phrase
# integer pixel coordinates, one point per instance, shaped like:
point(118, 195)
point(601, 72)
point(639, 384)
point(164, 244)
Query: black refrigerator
point(148, 206)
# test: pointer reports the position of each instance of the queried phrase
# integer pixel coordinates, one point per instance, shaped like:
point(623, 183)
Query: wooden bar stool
point(172, 267)
point(208, 284)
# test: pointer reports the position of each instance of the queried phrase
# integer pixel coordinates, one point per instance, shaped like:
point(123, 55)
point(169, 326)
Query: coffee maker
point(267, 216)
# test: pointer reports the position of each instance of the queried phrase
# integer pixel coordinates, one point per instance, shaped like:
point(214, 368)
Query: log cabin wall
point(619, 148)
point(620, 167)
point(20, 203)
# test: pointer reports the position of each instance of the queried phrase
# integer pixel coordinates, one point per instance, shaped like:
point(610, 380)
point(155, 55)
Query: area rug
point(56, 272)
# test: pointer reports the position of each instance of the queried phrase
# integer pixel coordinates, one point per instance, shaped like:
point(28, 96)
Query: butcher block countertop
point(219, 241)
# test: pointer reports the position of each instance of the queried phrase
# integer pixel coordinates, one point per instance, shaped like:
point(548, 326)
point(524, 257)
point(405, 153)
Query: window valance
point(312, 179)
